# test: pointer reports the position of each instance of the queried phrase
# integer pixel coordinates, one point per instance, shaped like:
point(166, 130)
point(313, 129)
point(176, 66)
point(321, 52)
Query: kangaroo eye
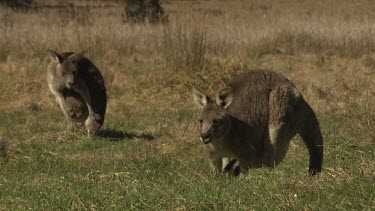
point(200, 121)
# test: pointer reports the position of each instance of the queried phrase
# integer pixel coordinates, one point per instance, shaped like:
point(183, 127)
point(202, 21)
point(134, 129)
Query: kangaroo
point(78, 87)
point(253, 121)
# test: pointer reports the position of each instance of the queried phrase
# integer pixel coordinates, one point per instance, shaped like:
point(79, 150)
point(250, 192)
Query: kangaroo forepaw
point(231, 169)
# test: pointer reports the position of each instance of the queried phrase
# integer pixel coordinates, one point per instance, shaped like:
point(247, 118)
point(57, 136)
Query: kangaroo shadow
point(118, 135)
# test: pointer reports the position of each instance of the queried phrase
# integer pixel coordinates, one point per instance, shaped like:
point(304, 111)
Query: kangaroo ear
point(200, 98)
point(54, 56)
point(76, 56)
point(224, 97)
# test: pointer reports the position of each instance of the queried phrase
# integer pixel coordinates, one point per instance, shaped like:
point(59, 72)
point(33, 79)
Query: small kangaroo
point(78, 87)
point(253, 121)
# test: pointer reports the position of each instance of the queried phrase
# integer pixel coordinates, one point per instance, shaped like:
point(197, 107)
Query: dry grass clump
point(184, 46)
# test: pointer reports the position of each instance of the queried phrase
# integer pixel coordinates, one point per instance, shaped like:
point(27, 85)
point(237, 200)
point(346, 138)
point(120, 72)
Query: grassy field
point(147, 155)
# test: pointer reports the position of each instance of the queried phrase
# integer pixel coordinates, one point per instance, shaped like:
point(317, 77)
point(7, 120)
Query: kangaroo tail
point(309, 130)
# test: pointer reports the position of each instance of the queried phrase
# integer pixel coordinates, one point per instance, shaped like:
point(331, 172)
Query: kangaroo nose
point(205, 138)
point(69, 84)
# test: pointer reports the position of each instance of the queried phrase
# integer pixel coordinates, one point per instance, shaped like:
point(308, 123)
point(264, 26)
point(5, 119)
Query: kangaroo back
point(251, 92)
point(274, 112)
point(95, 83)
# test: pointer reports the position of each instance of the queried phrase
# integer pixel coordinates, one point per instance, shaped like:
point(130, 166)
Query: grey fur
point(254, 120)
point(78, 87)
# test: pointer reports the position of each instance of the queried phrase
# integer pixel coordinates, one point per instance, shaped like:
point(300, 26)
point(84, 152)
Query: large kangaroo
point(254, 120)
point(79, 88)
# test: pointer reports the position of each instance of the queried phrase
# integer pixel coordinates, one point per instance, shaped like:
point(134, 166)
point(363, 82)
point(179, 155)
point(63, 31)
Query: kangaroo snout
point(69, 84)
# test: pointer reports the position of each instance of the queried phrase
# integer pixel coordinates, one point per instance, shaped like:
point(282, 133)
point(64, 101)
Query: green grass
point(148, 157)
point(51, 168)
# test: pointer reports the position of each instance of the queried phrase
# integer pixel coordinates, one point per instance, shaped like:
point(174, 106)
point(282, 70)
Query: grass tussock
point(147, 155)
point(184, 46)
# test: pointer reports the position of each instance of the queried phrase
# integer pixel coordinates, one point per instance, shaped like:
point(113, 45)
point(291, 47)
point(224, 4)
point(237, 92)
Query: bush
point(18, 4)
point(140, 11)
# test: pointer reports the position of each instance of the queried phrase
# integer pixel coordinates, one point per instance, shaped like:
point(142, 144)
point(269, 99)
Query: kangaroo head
point(214, 122)
point(66, 68)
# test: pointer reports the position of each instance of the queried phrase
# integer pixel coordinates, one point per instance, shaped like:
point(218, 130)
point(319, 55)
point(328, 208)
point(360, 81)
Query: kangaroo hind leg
point(280, 127)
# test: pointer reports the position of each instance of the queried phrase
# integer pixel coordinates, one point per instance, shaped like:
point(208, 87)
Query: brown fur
point(78, 86)
point(254, 120)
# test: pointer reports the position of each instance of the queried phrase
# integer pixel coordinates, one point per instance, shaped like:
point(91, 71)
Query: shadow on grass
point(118, 135)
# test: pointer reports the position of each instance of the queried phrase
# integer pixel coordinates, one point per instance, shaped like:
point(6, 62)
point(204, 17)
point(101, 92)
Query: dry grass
point(231, 29)
point(329, 55)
